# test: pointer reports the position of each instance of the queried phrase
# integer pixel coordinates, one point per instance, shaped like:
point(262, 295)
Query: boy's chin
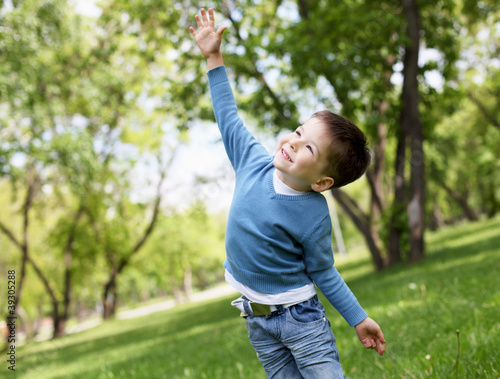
point(278, 167)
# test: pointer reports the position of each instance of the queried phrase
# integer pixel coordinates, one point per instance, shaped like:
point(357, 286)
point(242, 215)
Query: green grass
point(420, 309)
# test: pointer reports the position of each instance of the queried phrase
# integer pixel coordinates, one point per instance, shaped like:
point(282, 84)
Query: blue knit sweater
point(274, 242)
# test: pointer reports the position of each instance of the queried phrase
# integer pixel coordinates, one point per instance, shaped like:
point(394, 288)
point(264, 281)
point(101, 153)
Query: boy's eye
point(298, 133)
point(310, 148)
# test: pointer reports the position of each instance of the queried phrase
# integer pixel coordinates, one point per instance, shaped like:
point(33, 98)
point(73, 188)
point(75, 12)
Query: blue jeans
point(295, 342)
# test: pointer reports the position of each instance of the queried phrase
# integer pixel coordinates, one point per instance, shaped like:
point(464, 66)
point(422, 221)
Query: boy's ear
point(322, 184)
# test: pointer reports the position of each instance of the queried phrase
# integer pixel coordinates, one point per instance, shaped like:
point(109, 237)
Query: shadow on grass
point(161, 341)
point(448, 246)
point(419, 308)
point(466, 229)
point(443, 272)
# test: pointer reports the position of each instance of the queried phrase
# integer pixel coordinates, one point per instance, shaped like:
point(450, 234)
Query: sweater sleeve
point(241, 147)
point(318, 256)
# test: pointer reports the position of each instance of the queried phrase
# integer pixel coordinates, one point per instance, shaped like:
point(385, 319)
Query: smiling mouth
point(285, 155)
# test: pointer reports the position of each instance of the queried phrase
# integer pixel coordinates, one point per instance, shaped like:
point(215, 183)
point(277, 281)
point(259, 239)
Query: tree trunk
point(68, 256)
point(188, 283)
point(493, 204)
point(376, 182)
point(375, 178)
point(176, 291)
point(413, 126)
point(109, 300)
point(38, 321)
point(395, 229)
point(110, 293)
point(396, 226)
point(437, 219)
point(32, 182)
point(59, 323)
point(362, 223)
point(58, 319)
point(53, 299)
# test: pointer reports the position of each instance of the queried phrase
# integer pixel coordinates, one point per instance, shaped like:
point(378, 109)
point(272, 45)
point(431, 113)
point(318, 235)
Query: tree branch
point(370, 176)
point(45, 282)
point(347, 205)
point(32, 181)
point(99, 239)
point(154, 218)
point(350, 206)
point(484, 110)
point(255, 73)
point(303, 9)
point(11, 236)
point(460, 198)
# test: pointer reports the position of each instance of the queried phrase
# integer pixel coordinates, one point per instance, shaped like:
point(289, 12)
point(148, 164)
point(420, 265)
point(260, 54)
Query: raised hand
point(207, 39)
point(370, 335)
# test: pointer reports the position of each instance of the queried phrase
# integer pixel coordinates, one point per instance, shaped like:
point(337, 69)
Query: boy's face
point(301, 157)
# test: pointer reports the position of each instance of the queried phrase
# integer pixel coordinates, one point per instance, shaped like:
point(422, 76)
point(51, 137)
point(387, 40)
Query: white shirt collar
point(282, 188)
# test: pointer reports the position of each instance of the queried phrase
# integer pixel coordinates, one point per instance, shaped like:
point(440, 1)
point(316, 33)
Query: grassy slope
point(419, 309)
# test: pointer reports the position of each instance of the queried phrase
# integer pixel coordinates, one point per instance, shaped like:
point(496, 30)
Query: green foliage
point(419, 309)
point(476, 11)
point(74, 122)
point(187, 241)
point(347, 58)
point(84, 102)
point(462, 151)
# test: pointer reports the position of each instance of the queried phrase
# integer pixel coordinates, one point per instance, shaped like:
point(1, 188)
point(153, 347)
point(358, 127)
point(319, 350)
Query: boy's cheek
point(282, 141)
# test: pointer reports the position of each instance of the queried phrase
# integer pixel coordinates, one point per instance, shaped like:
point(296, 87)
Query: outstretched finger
point(211, 16)
point(193, 32)
point(204, 16)
point(198, 21)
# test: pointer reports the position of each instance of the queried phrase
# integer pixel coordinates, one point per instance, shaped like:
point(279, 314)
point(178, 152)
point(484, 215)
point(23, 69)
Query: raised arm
point(207, 39)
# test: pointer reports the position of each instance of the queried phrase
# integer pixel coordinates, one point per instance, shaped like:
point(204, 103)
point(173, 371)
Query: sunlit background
point(115, 186)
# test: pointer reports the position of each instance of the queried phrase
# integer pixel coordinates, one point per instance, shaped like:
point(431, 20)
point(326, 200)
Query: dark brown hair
point(348, 156)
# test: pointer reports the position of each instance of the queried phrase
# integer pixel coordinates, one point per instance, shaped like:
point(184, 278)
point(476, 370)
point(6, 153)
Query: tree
point(33, 92)
point(189, 247)
point(285, 57)
point(412, 127)
point(113, 235)
point(348, 58)
point(67, 103)
point(463, 147)
point(463, 161)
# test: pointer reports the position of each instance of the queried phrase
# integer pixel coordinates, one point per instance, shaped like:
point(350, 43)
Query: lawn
point(419, 309)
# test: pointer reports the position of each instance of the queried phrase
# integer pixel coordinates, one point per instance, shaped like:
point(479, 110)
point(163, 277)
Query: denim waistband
point(256, 309)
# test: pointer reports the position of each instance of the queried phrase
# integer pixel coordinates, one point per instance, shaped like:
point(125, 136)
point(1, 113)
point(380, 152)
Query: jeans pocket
point(307, 312)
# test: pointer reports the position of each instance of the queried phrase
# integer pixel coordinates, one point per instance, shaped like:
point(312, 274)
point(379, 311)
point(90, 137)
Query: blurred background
point(114, 185)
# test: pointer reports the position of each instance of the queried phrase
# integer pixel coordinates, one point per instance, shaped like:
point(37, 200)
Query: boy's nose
point(293, 143)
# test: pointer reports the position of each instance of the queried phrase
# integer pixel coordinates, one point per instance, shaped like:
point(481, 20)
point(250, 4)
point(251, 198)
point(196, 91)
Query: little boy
point(278, 237)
